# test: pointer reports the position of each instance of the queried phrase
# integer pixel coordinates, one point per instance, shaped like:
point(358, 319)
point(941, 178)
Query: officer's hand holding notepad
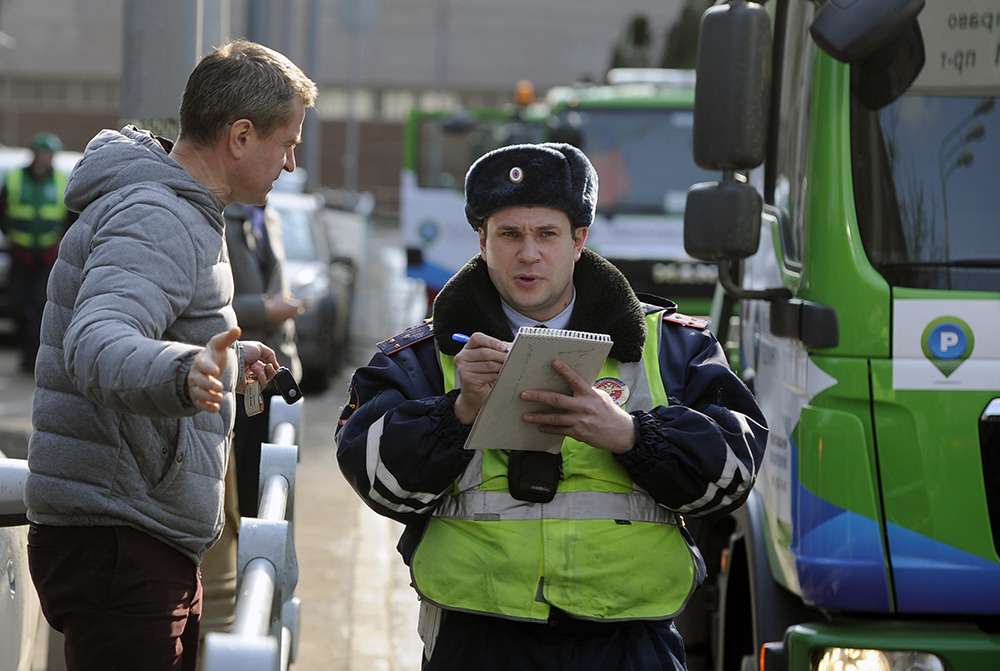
point(499, 426)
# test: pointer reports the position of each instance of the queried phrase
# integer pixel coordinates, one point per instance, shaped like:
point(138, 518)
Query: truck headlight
point(858, 659)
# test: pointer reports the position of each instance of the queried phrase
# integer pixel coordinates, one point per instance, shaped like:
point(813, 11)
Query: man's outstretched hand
point(204, 383)
point(204, 380)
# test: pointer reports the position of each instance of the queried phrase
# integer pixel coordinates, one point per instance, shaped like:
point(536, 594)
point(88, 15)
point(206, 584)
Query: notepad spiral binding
point(563, 333)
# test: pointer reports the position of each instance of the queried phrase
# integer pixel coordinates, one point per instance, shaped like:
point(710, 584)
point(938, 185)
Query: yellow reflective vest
point(35, 214)
point(602, 549)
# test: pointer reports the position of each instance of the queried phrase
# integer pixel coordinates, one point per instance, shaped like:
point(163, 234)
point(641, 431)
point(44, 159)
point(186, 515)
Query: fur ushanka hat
point(545, 175)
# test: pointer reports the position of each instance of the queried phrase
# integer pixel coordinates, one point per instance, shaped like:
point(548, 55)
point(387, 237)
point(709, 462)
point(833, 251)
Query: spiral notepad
point(499, 426)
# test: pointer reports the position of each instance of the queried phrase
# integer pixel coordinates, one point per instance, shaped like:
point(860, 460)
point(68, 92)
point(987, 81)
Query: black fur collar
point(605, 303)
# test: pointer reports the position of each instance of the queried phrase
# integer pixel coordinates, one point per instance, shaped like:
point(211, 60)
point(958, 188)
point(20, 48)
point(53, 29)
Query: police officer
point(33, 218)
point(571, 561)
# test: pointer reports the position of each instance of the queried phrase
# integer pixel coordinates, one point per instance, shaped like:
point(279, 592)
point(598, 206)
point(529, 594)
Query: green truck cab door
point(935, 407)
point(925, 179)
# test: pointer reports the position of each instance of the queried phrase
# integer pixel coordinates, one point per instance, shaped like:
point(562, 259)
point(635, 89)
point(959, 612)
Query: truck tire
point(764, 607)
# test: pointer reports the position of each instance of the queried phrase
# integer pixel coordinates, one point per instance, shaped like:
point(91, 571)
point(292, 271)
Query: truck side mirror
point(881, 40)
point(887, 74)
point(722, 220)
point(731, 105)
point(565, 128)
point(732, 92)
point(852, 31)
point(458, 123)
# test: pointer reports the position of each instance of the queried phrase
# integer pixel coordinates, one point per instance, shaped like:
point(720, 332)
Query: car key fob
point(283, 383)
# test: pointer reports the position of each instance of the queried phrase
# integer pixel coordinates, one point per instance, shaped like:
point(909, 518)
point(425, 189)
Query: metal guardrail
point(264, 635)
point(13, 476)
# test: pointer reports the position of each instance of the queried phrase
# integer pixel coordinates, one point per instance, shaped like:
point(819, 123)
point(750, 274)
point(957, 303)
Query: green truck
point(636, 128)
point(854, 224)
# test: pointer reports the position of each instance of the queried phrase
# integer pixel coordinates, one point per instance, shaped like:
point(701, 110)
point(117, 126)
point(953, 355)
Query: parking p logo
point(947, 342)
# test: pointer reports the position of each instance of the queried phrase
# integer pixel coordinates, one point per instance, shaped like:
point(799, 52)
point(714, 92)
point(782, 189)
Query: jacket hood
point(605, 303)
point(117, 159)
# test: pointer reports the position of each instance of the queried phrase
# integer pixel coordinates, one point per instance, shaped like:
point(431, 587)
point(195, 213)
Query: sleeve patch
point(407, 338)
point(686, 320)
point(352, 404)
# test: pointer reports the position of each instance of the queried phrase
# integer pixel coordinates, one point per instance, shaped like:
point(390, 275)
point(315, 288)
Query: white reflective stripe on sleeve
point(733, 464)
point(377, 471)
point(483, 506)
point(750, 476)
point(710, 493)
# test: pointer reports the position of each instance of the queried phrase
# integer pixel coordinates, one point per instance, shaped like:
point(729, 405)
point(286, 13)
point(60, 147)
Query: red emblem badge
point(615, 388)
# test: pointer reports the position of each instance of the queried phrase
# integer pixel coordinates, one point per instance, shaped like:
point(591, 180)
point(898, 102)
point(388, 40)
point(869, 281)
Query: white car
point(21, 619)
point(320, 279)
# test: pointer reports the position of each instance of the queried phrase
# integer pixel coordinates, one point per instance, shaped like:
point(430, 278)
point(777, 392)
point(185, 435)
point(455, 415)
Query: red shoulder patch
point(686, 320)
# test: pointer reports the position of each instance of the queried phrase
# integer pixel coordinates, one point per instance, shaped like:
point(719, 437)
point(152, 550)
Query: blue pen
point(460, 337)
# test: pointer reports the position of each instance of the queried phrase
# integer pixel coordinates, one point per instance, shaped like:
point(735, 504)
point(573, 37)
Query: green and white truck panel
point(879, 495)
point(929, 401)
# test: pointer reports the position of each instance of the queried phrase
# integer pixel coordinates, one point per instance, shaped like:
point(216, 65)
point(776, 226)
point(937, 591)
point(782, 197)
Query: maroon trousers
point(122, 599)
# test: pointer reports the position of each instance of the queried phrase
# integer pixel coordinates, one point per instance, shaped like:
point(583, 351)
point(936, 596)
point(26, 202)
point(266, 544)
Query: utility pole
point(442, 34)
point(359, 18)
point(312, 144)
point(162, 42)
point(259, 22)
point(7, 44)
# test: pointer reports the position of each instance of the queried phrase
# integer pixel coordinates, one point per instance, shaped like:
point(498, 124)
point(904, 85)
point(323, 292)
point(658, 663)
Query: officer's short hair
point(550, 174)
point(241, 80)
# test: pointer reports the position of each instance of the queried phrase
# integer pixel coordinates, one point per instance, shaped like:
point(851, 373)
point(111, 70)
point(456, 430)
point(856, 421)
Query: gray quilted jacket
point(141, 283)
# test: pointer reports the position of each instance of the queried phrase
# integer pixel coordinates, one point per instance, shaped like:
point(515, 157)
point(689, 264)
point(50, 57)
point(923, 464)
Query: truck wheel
point(735, 630)
point(697, 623)
point(754, 607)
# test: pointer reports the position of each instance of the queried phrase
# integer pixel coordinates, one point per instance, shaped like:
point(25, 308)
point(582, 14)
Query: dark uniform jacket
point(697, 456)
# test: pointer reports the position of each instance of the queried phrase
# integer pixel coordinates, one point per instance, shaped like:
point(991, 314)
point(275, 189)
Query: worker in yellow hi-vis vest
point(576, 560)
point(33, 218)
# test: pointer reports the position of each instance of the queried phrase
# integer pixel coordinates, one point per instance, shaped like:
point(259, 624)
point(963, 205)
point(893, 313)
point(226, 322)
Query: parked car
point(323, 282)
point(21, 619)
point(11, 158)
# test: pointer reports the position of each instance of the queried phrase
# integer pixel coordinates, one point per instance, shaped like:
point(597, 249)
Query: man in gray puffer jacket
point(139, 361)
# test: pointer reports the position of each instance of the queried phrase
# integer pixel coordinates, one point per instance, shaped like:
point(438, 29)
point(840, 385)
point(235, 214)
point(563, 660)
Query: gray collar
point(517, 320)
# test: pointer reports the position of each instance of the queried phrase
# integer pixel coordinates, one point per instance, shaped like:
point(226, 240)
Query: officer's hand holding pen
point(476, 368)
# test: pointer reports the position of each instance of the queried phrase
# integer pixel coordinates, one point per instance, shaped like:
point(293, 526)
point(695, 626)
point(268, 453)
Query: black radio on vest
point(534, 476)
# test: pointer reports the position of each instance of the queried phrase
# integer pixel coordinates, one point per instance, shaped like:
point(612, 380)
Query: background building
point(61, 62)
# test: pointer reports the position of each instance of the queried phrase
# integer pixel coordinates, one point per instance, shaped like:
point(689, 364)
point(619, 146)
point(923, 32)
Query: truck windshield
point(643, 158)
point(446, 152)
point(926, 178)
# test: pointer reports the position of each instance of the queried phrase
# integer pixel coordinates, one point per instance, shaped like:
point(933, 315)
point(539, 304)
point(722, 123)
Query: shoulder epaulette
point(407, 338)
point(653, 303)
point(685, 320)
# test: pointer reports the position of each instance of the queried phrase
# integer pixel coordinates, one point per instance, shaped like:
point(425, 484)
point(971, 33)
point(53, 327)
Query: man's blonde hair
point(241, 80)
